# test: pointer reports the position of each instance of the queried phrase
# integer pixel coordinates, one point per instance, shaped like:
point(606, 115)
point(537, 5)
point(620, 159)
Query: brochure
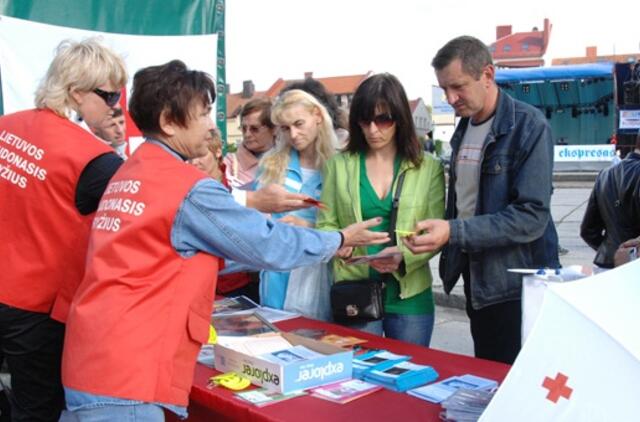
point(375, 359)
point(440, 391)
point(263, 397)
point(342, 341)
point(255, 345)
point(323, 336)
point(402, 376)
point(363, 259)
point(345, 391)
point(293, 354)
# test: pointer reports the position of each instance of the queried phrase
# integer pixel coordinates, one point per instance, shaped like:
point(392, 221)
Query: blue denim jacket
point(512, 227)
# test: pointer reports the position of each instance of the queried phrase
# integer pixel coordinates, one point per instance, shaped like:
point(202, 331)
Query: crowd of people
point(115, 260)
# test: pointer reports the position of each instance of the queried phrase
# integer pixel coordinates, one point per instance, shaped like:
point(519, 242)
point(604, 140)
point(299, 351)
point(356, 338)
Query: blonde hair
point(275, 162)
point(81, 66)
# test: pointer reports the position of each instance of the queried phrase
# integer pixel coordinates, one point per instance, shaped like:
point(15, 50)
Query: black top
point(94, 179)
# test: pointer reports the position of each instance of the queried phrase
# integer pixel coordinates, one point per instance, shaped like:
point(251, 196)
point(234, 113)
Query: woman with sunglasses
point(305, 142)
point(361, 182)
point(53, 172)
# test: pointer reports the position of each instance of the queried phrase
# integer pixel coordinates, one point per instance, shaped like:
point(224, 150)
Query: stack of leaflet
point(466, 405)
point(375, 359)
point(402, 376)
point(439, 391)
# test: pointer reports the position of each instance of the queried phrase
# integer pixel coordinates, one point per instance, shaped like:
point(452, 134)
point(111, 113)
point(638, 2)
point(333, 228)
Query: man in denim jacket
point(498, 201)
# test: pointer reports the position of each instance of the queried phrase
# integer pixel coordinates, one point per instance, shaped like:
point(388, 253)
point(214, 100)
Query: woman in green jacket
point(360, 183)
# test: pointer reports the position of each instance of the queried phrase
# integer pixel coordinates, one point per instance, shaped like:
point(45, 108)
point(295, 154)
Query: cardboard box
point(334, 366)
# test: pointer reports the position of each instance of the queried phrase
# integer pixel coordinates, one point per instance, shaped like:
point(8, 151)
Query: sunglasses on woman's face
point(382, 121)
point(110, 98)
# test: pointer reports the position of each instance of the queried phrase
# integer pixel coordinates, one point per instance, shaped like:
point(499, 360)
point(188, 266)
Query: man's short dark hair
point(169, 88)
point(472, 52)
point(262, 105)
point(638, 140)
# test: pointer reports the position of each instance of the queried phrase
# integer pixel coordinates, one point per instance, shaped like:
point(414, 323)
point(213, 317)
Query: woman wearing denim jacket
point(360, 183)
point(305, 142)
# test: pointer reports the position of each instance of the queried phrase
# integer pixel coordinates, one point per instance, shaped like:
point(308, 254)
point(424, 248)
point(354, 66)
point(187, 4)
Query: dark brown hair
point(171, 88)
point(473, 54)
point(384, 91)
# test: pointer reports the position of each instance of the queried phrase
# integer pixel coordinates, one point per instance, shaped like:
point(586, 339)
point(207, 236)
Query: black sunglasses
point(111, 98)
point(382, 121)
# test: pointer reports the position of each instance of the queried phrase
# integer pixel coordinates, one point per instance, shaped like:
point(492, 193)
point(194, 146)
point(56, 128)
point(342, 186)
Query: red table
point(219, 404)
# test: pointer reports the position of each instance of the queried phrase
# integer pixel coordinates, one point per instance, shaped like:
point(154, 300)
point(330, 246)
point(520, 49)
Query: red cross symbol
point(557, 387)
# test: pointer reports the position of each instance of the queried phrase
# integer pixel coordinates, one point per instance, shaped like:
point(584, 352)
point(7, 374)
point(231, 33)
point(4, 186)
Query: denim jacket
point(512, 227)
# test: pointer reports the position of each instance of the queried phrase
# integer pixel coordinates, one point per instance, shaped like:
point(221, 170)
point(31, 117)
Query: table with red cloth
point(219, 404)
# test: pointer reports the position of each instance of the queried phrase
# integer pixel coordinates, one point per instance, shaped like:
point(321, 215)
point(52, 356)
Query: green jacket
point(422, 197)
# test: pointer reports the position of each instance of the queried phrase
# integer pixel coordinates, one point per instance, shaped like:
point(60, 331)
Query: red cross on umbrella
point(557, 387)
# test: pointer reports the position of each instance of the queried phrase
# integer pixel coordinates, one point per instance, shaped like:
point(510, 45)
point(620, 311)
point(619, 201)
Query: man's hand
point(622, 254)
point(295, 221)
point(275, 198)
point(387, 265)
point(435, 234)
point(358, 235)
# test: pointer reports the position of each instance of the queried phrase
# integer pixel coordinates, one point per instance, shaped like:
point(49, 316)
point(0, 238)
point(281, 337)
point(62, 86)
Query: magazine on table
point(325, 337)
point(262, 397)
point(230, 305)
point(442, 390)
point(345, 391)
point(275, 315)
point(241, 324)
point(255, 345)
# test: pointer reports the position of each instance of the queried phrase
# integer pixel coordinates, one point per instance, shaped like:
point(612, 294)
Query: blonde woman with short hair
point(54, 173)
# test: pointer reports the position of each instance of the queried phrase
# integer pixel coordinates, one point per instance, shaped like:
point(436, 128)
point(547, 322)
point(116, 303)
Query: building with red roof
point(520, 49)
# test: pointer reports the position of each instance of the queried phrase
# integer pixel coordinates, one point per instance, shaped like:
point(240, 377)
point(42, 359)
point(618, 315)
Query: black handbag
point(356, 301)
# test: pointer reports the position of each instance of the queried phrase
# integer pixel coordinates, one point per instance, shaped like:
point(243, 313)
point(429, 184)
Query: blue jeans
point(415, 329)
point(144, 412)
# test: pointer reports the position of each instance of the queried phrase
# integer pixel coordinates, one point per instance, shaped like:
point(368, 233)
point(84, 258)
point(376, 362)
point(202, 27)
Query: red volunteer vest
point(44, 241)
point(142, 311)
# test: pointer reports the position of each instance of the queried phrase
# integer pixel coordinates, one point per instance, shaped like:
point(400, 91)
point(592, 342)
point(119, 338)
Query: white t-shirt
point(468, 167)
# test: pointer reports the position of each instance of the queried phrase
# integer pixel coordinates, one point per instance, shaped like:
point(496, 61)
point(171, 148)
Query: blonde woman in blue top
point(305, 141)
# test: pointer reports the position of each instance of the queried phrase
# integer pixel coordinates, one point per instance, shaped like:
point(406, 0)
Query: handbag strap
point(394, 208)
point(394, 218)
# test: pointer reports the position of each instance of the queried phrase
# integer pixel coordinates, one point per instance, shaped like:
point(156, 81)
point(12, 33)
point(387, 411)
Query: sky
point(268, 39)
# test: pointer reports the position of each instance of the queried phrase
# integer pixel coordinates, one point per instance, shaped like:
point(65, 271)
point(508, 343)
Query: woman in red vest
point(52, 173)
point(142, 311)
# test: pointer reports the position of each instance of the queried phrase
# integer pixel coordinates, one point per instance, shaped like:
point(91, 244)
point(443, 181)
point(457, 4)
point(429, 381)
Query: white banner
point(629, 119)
point(27, 48)
point(584, 152)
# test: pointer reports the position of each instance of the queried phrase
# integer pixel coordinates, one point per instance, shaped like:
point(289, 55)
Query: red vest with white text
point(139, 317)
point(44, 237)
